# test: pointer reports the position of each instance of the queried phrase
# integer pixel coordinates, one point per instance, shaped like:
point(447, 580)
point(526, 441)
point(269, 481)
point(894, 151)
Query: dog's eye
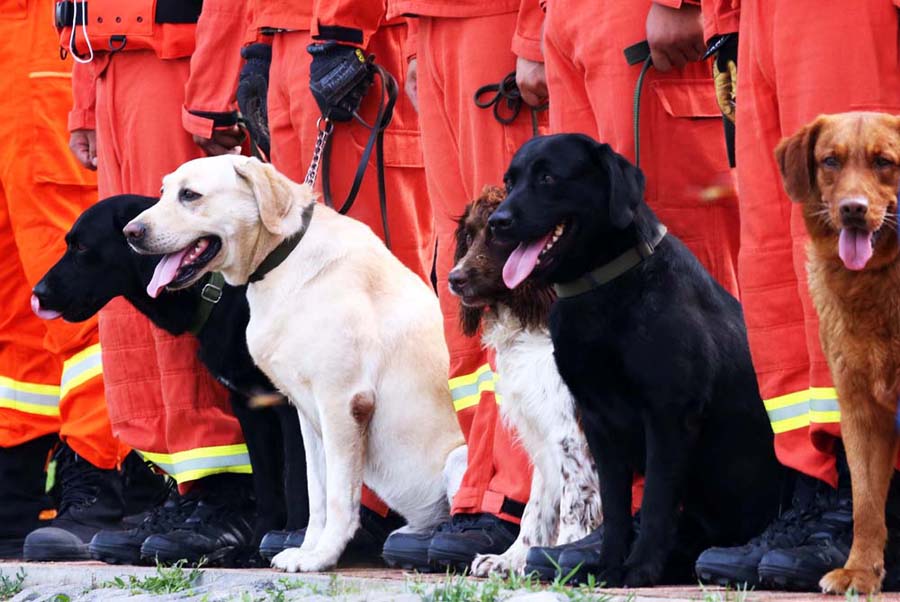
point(831, 162)
point(187, 195)
point(546, 178)
point(881, 162)
point(469, 240)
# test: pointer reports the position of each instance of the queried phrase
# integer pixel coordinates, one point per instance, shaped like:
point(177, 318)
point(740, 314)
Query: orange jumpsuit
point(461, 46)
point(51, 374)
point(796, 60)
point(162, 401)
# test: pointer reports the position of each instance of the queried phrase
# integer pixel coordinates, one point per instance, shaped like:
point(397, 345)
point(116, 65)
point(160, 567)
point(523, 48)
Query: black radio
point(67, 13)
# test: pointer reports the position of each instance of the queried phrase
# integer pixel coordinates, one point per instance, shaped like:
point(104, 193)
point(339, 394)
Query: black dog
point(654, 351)
point(98, 266)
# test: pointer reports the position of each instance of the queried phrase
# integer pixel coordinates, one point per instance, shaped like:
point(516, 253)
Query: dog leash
point(322, 152)
point(210, 295)
point(506, 94)
point(637, 54)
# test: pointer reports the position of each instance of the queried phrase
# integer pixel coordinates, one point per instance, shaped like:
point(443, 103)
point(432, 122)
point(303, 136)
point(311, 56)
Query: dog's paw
point(487, 564)
point(296, 560)
point(644, 574)
point(862, 581)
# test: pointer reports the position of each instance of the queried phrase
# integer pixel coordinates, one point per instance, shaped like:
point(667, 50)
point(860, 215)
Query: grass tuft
point(167, 580)
point(10, 586)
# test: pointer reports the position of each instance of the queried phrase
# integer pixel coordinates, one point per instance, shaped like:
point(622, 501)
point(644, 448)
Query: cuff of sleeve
point(678, 3)
point(721, 24)
point(344, 35)
point(202, 123)
point(527, 48)
point(81, 120)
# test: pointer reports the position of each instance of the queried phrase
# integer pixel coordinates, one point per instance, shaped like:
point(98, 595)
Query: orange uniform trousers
point(162, 401)
point(51, 375)
point(292, 125)
point(682, 154)
point(798, 59)
point(465, 148)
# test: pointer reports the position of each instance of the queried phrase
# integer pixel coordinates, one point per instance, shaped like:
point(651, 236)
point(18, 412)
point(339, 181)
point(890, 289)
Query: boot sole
point(40, 553)
point(718, 574)
point(773, 578)
point(408, 563)
point(448, 560)
point(545, 573)
point(221, 557)
point(116, 554)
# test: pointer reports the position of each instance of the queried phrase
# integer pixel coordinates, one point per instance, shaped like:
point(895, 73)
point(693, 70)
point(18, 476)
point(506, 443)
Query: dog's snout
point(501, 220)
point(41, 291)
point(457, 279)
point(853, 209)
point(134, 231)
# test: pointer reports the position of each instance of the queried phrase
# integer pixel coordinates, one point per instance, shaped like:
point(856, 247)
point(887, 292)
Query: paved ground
point(90, 581)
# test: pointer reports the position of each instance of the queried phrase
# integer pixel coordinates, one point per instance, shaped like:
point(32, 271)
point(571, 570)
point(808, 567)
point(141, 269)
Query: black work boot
point(545, 562)
point(364, 547)
point(124, 546)
point(579, 560)
point(90, 500)
point(469, 535)
point(800, 568)
point(219, 530)
point(23, 498)
point(142, 489)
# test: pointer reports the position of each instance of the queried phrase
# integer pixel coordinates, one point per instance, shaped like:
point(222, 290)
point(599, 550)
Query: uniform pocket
point(51, 100)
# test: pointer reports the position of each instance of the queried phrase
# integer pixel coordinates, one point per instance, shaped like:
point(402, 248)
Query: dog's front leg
point(579, 504)
point(615, 491)
point(537, 528)
point(870, 442)
point(344, 442)
point(668, 448)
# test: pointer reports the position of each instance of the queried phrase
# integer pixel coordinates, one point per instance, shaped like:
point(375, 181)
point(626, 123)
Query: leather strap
point(281, 252)
point(167, 11)
point(612, 270)
point(210, 295)
point(512, 507)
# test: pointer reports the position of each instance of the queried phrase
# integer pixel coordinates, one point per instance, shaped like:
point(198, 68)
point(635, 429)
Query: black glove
point(339, 78)
point(252, 90)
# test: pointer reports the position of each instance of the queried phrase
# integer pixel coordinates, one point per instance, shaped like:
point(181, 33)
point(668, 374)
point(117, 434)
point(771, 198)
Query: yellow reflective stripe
point(40, 74)
point(466, 390)
point(30, 398)
point(798, 409)
point(80, 368)
point(469, 379)
point(201, 462)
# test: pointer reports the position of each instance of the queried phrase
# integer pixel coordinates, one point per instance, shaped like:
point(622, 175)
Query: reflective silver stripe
point(71, 373)
point(824, 405)
point(791, 411)
point(204, 463)
point(462, 391)
point(29, 398)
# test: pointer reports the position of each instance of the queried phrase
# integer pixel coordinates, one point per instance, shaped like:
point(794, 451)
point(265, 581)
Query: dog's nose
point(41, 291)
point(134, 231)
point(501, 220)
point(457, 280)
point(853, 209)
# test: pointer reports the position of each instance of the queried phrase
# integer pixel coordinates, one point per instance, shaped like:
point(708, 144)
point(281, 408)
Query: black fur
point(657, 360)
point(98, 266)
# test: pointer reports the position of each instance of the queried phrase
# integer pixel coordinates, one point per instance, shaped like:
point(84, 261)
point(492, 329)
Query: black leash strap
point(505, 101)
point(635, 54)
point(389, 93)
point(210, 295)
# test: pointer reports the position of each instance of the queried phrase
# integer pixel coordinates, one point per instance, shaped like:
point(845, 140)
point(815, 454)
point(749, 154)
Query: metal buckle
point(214, 297)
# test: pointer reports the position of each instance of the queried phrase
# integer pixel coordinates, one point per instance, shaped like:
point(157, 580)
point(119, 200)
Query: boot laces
point(80, 482)
point(797, 524)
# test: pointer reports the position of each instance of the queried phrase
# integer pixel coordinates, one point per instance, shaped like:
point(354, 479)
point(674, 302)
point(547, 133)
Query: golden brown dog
point(844, 169)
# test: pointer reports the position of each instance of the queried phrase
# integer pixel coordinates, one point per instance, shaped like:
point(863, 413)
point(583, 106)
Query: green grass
point(738, 594)
point(10, 586)
point(167, 580)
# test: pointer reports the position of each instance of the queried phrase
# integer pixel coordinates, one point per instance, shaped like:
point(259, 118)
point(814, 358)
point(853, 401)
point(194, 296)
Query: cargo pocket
point(683, 155)
point(51, 100)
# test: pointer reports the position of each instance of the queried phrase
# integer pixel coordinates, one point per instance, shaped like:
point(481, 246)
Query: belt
point(167, 11)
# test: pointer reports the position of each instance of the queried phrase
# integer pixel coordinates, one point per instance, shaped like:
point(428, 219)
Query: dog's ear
point(271, 190)
point(470, 319)
point(460, 235)
point(626, 185)
point(797, 161)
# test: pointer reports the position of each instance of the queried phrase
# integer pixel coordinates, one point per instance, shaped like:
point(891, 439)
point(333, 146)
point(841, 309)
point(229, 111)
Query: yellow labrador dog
point(348, 333)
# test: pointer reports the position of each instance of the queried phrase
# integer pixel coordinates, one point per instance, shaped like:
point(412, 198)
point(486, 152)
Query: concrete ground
point(90, 581)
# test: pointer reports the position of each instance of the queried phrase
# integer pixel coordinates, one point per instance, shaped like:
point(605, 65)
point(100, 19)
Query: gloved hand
point(725, 76)
point(252, 90)
point(339, 78)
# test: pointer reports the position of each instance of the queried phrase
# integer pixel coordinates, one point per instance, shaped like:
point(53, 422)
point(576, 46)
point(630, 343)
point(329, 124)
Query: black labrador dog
point(654, 351)
point(98, 265)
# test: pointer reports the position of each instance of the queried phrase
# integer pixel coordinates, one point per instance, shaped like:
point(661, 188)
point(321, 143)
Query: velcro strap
point(512, 507)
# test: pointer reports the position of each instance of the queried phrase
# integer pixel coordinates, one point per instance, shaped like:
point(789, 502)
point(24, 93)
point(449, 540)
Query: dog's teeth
point(555, 237)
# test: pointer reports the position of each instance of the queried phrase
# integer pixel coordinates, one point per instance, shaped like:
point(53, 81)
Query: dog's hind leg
point(344, 444)
point(871, 445)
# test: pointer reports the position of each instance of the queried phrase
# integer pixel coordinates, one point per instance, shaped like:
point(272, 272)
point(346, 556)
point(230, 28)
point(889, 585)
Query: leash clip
point(211, 293)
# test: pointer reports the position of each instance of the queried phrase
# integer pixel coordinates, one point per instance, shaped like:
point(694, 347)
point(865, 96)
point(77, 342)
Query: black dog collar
point(210, 294)
point(612, 270)
point(281, 252)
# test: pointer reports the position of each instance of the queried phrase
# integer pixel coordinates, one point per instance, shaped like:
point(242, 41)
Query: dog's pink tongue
point(521, 262)
point(855, 248)
point(43, 314)
point(165, 272)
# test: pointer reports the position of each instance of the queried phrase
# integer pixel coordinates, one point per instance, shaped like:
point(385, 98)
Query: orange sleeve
point(723, 16)
point(526, 41)
point(347, 21)
point(209, 95)
point(412, 38)
point(84, 96)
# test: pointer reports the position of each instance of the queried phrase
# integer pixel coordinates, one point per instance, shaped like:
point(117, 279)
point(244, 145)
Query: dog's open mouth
point(528, 255)
point(856, 246)
point(177, 269)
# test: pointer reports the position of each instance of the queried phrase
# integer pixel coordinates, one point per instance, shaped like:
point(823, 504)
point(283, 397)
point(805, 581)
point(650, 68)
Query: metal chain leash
point(324, 126)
